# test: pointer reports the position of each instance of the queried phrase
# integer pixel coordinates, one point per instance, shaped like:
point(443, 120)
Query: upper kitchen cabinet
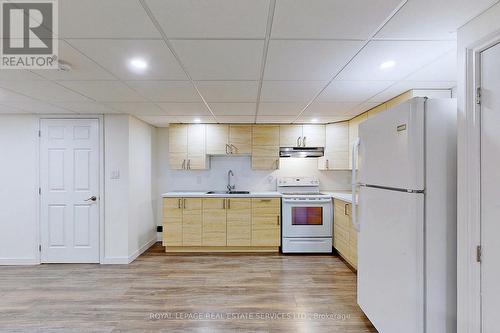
point(229, 139)
point(353, 132)
point(265, 147)
point(336, 147)
point(187, 147)
point(302, 135)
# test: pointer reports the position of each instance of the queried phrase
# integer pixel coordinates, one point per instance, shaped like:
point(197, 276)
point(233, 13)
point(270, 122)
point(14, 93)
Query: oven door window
point(307, 215)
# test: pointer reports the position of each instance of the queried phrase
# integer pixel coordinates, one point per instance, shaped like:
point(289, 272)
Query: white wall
point(244, 177)
point(142, 224)
point(471, 35)
point(19, 235)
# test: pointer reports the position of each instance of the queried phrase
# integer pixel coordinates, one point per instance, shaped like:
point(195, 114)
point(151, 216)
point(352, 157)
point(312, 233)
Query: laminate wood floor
point(184, 293)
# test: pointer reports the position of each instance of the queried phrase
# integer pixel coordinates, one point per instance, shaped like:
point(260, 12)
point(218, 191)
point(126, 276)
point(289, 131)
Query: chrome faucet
point(229, 187)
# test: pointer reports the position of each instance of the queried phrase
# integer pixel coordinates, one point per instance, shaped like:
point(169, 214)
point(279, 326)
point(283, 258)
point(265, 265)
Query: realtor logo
point(29, 39)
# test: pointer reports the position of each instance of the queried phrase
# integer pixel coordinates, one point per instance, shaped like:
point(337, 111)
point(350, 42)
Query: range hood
point(302, 151)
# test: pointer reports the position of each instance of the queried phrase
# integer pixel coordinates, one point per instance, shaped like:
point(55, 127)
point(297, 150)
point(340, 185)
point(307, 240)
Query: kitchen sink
point(228, 192)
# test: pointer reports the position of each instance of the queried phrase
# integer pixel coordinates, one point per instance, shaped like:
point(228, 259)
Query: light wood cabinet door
point(178, 146)
point(353, 132)
point(214, 222)
point(217, 139)
point(265, 157)
point(336, 147)
point(172, 221)
point(240, 139)
point(191, 221)
point(313, 135)
point(290, 135)
point(266, 135)
point(196, 157)
point(239, 221)
point(266, 220)
point(345, 237)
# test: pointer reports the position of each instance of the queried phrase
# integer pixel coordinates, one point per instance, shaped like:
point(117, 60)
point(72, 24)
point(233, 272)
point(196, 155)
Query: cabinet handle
point(277, 164)
point(228, 203)
point(224, 204)
point(189, 164)
point(227, 147)
point(179, 203)
point(327, 164)
point(183, 164)
point(303, 141)
point(184, 203)
point(298, 142)
point(278, 220)
point(265, 200)
point(345, 209)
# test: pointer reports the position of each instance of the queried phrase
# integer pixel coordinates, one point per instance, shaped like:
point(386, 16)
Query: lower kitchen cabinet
point(239, 222)
point(345, 236)
point(221, 224)
point(266, 215)
point(214, 222)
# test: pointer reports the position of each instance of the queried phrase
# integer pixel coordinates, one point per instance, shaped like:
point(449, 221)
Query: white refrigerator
point(406, 217)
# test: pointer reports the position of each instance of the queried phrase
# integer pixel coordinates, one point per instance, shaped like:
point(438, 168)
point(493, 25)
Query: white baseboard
point(18, 261)
point(142, 249)
point(115, 261)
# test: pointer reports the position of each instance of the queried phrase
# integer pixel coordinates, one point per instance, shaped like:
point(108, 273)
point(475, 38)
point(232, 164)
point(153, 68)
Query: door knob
point(92, 198)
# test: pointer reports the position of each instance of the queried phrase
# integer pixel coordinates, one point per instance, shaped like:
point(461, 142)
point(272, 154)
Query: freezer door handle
point(354, 215)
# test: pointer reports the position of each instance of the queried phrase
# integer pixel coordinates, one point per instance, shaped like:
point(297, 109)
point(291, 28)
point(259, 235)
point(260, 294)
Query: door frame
point(100, 119)
point(469, 314)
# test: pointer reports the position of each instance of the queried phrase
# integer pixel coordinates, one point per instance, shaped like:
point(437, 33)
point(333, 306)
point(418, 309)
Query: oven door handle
point(312, 202)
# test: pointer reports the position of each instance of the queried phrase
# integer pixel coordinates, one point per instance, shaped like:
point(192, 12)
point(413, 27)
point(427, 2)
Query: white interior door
point(490, 188)
point(69, 181)
point(391, 259)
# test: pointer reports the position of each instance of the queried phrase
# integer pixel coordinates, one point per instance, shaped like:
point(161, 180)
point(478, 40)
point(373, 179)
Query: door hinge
point(39, 247)
point(478, 95)
point(479, 253)
point(39, 134)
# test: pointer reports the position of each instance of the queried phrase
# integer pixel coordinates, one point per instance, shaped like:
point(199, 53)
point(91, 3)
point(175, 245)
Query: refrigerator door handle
point(354, 215)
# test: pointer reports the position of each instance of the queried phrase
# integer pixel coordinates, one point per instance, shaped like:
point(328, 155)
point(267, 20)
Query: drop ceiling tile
point(202, 119)
point(145, 109)
point(211, 19)
point(228, 91)
point(82, 68)
point(221, 59)
point(235, 119)
point(6, 109)
point(104, 19)
point(275, 119)
point(43, 90)
point(184, 109)
point(305, 119)
point(352, 91)
point(104, 91)
point(320, 109)
point(233, 109)
point(9, 96)
point(166, 91)
point(408, 56)
point(404, 86)
point(18, 75)
point(85, 107)
point(432, 19)
point(159, 121)
point(280, 109)
point(36, 106)
point(290, 91)
point(307, 59)
point(115, 55)
point(354, 19)
point(443, 69)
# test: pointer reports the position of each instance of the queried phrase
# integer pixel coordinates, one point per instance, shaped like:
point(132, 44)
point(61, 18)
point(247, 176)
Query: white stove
point(307, 216)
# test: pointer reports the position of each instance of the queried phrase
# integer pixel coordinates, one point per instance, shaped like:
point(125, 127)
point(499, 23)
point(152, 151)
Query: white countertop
point(344, 196)
point(221, 195)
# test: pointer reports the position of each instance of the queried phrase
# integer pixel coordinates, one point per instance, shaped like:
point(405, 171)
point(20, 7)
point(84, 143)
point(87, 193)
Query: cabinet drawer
point(342, 208)
point(265, 206)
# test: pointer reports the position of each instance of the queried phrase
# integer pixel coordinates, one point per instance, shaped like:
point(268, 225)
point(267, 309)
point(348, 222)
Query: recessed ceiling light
point(314, 120)
point(387, 64)
point(138, 64)
point(197, 120)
